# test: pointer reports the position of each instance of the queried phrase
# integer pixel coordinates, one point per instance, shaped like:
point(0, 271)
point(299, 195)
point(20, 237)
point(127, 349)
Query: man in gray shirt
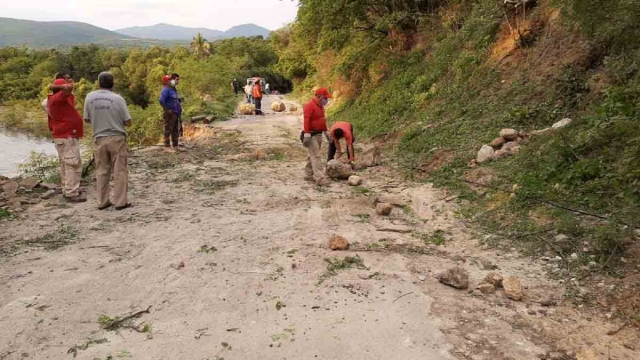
point(108, 114)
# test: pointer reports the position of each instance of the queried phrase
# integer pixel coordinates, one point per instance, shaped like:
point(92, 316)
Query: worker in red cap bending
point(172, 112)
point(315, 125)
point(66, 126)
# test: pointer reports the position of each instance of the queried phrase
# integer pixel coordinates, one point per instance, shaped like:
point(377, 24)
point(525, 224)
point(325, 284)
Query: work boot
point(76, 199)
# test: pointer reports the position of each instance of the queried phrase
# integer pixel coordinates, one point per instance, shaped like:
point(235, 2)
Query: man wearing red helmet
point(172, 112)
point(66, 126)
point(315, 125)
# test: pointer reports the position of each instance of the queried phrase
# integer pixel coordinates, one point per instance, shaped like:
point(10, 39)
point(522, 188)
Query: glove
point(306, 142)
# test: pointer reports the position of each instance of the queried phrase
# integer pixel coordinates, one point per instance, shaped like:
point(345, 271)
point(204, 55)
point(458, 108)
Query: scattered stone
point(486, 288)
point(562, 123)
point(531, 312)
point(512, 288)
point(500, 154)
point(207, 98)
point(10, 189)
point(384, 209)
point(548, 302)
point(509, 134)
point(338, 243)
point(508, 146)
point(473, 163)
point(422, 277)
point(574, 257)
point(485, 154)
point(260, 154)
point(355, 180)
point(395, 229)
point(393, 200)
point(293, 108)
point(561, 238)
point(278, 106)
point(33, 201)
point(593, 264)
point(338, 170)
point(587, 354)
point(494, 279)
point(456, 277)
point(477, 293)
point(498, 142)
point(29, 183)
point(514, 150)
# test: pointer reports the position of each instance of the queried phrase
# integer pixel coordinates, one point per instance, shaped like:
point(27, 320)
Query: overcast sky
point(116, 14)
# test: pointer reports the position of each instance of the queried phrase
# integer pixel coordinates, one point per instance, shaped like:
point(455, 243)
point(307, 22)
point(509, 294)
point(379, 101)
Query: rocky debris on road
point(338, 243)
point(486, 288)
point(278, 106)
point(548, 302)
point(355, 180)
point(29, 183)
point(246, 109)
point(293, 108)
point(395, 200)
point(338, 170)
point(494, 279)
point(456, 277)
point(512, 288)
point(9, 189)
point(384, 209)
point(485, 154)
point(371, 156)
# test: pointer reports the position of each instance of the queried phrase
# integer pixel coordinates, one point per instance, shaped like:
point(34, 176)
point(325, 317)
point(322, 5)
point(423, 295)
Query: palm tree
point(201, 47)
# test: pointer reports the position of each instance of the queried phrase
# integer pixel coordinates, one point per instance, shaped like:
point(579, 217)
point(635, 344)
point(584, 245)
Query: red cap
point(59, 82)
point(166, 79)
point(323, 91)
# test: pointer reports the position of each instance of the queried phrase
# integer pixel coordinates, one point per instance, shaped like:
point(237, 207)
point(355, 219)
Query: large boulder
point(29, 183)
point(246, 109)
point(562, 123)
point(278, 106)
point(509, 134)
point(338, 170)
point(456, 277)
point(485, 154)
point(371, 156)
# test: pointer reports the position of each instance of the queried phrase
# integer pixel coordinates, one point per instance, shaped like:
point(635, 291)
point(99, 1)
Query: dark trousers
point(171, 129)
point(333, 149)
point(258, 102)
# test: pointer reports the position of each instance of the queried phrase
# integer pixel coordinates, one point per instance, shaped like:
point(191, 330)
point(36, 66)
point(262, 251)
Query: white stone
point(562, 123)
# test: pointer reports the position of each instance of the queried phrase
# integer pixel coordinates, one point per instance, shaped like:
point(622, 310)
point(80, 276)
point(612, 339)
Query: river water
point(15, 149)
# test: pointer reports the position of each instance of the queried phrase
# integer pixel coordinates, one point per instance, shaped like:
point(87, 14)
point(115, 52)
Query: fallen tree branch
point(401, 296)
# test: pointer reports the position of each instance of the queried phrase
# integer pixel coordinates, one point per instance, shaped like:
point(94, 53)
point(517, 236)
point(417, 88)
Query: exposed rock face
point(456, 277)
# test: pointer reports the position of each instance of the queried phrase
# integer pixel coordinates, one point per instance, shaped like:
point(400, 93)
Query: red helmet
point(166, 79)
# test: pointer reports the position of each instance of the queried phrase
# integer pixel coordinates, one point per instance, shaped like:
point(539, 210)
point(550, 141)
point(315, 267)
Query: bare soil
point(228, 246)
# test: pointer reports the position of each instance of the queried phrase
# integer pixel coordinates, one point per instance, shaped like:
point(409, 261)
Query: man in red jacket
point(315, 125)
point(67, 128)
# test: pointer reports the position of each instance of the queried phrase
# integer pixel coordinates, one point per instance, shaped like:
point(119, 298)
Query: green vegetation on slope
point(441, 78)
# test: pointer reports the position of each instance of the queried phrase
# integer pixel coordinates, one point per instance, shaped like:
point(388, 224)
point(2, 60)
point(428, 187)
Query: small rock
point(338, 170)
point(48, 195)
point(384, 209)
point(456, 277)
point(422, 278)
point(514, 150)
point(33, 201)
point(556, 259)
point(10, 189)
point(500, 154)
point(498, 142)
point(393, 200)
point(485, 154)
point(548, 302)
point(207, 98)
point(486, 288)
point(355, 180)
point(531, 312)
point(473, 163)
point(509, 134)
point(512, 288)
point(574, 256)
point(593, 264)
point(561, 238)
point(494, 279)
point(562, 123)
point(510, 145)
point(587, 354)
point(338, 243)
point(477, 293)
point(260, 154)
point(29, 183)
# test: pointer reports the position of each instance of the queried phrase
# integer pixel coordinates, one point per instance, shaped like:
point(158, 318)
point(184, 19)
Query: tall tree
point(201, 47)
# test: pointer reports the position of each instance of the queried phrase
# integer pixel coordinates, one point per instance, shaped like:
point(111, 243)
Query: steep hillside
point(173, 32)
point(437, 80)
point(39, 34)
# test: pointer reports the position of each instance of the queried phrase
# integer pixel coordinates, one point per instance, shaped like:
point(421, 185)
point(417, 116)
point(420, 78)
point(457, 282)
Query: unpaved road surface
point(230, 254)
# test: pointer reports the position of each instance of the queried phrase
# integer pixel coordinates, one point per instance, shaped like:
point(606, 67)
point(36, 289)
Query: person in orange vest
point(315, 125)
point(340, 130)
point(257, 97)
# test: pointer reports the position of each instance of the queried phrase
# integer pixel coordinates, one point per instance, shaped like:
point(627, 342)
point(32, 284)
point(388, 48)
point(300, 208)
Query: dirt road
point(229, 254)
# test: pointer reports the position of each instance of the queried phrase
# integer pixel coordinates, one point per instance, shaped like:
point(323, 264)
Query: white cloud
point(115, 14)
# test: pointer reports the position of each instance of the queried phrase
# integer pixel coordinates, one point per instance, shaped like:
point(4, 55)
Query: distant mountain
point(15, 32)
point(173, 32)
point(169, 32)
